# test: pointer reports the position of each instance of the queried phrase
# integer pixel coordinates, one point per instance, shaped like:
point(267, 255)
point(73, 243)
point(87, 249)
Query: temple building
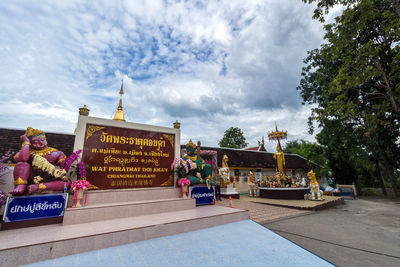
point(241, 161)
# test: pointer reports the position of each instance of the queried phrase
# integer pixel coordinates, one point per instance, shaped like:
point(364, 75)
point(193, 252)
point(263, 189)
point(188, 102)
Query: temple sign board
point(121, 154)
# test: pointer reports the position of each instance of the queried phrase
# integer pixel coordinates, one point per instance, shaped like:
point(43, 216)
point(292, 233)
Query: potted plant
point(79, 187)
point(184, 184)
point(76, 169)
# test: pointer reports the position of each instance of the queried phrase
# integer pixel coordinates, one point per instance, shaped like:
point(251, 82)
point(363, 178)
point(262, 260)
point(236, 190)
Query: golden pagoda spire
point(119, 116)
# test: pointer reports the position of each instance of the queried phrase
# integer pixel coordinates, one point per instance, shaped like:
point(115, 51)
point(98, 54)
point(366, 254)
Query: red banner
point(128, 158)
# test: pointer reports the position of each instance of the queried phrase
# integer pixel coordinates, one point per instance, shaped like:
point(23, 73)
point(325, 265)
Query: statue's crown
point(311, 174)
point(32, 132)
point(191, 144)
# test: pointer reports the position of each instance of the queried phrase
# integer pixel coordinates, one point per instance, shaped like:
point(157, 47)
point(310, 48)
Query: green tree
point(343, 153)
point(354, 79)
point(312, 152)
point(323, 6)
point(233, 138)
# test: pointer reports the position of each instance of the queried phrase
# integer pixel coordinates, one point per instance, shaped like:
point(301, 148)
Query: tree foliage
point(312, 152)
point(323, 6)
point(353, 82)
point(233, 138)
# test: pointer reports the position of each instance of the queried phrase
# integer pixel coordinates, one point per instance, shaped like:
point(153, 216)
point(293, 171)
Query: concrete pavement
point(262, 213)
point(363, 232)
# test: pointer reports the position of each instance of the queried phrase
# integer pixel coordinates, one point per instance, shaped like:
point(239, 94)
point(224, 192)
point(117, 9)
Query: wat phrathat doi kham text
point(124, 158)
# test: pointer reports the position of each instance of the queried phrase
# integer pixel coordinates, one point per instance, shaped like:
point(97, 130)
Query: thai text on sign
point(35, 207)
point(128, 158)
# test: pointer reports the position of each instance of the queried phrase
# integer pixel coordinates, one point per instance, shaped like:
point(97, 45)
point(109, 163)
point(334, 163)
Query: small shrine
point(281, 185)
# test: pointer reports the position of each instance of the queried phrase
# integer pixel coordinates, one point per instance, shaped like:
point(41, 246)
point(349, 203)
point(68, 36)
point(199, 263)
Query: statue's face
point(38, 142)
point(190, 150)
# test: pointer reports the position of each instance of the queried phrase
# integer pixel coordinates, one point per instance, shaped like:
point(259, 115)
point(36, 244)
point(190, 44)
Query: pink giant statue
point(45, 163)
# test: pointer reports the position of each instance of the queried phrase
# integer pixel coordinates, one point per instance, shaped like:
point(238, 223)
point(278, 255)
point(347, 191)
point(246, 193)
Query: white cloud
point(211, 64)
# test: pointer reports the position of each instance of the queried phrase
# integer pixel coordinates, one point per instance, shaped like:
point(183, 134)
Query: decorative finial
point(261, 144)
point(191, 144)
point(277, 135)
point(84, 111)
point(177, 125)
point(119, 116)
point(121, 92)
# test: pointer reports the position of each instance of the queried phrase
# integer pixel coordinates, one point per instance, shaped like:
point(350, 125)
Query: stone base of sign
point(229, 191)
point(232, 195)
point(30, 223)
point(108, 226)
point(123, 203)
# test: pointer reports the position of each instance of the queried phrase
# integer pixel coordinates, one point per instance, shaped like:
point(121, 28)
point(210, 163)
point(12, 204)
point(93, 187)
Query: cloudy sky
point(208, 64)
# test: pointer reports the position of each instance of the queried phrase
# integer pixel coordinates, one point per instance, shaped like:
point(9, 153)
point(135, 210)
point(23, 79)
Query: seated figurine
point(316, 193)
point(252, 185)
point(36, 159)
point(225, 173)
point(200, 172)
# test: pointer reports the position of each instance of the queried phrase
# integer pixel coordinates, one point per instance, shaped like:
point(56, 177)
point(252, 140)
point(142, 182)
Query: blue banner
point(202, 194)
point(35, 207)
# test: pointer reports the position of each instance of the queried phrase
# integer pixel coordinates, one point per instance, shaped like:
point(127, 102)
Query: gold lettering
point(103, 137)
point(123, 140)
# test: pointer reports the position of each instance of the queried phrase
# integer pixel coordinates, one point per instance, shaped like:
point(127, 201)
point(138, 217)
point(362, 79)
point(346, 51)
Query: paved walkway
point(329, 201)
point(363, 232)
point(243, 243)
point(262, 213)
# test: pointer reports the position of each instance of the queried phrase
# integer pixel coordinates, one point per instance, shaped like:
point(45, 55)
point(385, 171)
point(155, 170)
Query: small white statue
point(316, 193)
point(252, 185)
point(225, 172)
point(303, 182)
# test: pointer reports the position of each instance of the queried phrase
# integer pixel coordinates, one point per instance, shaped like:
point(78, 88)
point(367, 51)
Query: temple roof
point(251, 148)
point(10, 140)
point(256, 159)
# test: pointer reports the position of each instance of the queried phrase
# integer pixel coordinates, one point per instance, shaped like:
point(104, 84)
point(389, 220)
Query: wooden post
point(198, 151)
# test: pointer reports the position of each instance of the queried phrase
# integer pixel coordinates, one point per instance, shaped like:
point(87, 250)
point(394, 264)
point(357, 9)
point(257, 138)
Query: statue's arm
point(23, 154)
point(60, 157)
point(62, 172)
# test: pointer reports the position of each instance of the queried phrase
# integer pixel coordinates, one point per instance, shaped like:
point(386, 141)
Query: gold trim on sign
point(93, 187)
point(170, 138)
point(170, 181)
point(91, 129)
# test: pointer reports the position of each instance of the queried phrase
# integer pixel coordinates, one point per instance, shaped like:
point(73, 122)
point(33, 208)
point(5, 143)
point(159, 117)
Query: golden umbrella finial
point(277, 135)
